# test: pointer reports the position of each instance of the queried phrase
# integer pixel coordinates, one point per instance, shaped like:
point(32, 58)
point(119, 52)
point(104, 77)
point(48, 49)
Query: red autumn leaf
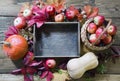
point(31, 22)
point(115, 49)
point(59, 5)
point(58, 8)
point(35, 64)
point(23, 71)
point(28, 58)
point(39, 17)
point(31, 70)
point(94, 13)
point(16, 72)
point(44, 74)
point(39, 24)
point(11, 31)
point(41, 68)
point(80, 16)
point(49, 76)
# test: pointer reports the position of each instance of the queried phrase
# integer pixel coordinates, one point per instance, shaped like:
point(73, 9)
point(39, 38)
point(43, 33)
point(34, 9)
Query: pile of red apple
point(21, 21)
point(96, 27)
point(59, 17)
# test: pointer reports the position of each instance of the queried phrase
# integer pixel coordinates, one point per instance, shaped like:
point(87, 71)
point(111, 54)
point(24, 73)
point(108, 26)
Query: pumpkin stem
point(4, 42)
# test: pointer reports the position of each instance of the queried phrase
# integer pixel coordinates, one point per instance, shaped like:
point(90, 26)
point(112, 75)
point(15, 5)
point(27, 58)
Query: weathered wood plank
point(113, 68)
point(108, 8)
point(5, 22)
point(104, 77)
point(9, 77)
point(13, 8)
point(77, 3)
point(7, 65)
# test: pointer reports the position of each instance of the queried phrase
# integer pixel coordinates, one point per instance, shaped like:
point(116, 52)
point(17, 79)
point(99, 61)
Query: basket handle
point(109, 23)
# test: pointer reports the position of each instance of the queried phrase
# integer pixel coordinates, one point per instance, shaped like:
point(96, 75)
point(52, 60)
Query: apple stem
point(6, 43)
point(109, 23)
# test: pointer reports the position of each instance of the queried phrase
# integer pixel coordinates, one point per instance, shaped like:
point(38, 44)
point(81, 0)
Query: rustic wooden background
point(9, 10)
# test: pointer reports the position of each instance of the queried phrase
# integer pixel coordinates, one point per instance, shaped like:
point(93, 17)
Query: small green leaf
point(59, 71)
point(101, 68)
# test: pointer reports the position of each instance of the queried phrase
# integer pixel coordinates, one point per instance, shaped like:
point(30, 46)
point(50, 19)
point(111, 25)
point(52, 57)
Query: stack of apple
point(96, 28)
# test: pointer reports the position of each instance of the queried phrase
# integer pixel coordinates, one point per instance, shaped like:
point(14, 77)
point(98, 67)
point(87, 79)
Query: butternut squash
point(78, 66)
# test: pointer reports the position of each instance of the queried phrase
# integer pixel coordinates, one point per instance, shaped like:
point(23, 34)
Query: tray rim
point(78, 32)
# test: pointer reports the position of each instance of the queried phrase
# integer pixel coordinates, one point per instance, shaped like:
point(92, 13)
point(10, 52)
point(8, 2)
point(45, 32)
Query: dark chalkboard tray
point(57, 39)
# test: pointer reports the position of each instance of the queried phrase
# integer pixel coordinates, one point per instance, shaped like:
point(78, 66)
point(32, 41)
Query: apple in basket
point(91, 28)
point(93, 39)
point(107, 40)
point(112, 30)
point(99, 31)
point(98, 20)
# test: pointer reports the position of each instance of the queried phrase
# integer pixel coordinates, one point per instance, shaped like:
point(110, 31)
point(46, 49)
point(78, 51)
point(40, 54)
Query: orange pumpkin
point(16, 47)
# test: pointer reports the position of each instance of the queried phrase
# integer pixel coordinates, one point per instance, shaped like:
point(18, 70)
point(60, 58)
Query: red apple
point(27, 13)
point(92, 28)
point(112, 30)
point(93, 39)
point(20, 22)
point(99, 32)
point(50, 63)
point(107, 40)
point(50, 10)
point(70, 14)
point(98, 20)
point(59, 18)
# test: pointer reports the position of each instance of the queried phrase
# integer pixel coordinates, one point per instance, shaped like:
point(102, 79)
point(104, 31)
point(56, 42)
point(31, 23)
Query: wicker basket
point(85, 40)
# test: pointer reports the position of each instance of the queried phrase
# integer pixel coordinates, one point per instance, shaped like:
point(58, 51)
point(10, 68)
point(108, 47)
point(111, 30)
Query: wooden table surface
point(9, 10)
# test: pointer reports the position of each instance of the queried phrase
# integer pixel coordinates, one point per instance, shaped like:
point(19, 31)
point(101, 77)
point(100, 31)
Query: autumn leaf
point(16, 72)
point(28, 58)
point(88, 9)
point(80, 16)
point(91, 11)
point(59, 5)
point(39, 17)
point(94, 13)
point(11, 31)
point(49, 76)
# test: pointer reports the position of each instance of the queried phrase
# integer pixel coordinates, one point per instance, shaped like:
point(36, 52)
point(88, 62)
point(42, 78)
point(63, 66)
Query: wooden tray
point(60, 39)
